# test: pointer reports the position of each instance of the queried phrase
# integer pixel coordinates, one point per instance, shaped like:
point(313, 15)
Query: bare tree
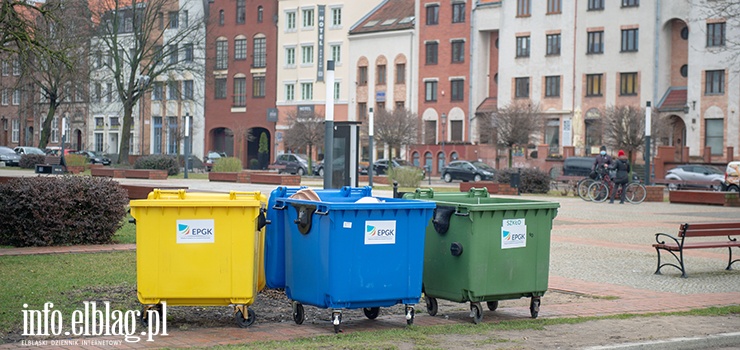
point(59, 78)
point(18, 26)
point(306, 131)
point(624, 128)
point(725, 39)
point(397, 128)
point(146, 41)
point(516, 124)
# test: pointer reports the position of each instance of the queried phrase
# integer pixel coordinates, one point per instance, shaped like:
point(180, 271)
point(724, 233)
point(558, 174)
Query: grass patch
point(36, 279)
point(127, 232)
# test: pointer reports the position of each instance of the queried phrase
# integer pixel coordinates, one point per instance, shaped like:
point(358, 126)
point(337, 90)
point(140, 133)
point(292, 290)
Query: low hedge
point(159, 162)
point(29, 161)
point(66, 210)
point(227, 165)
point(531, 181)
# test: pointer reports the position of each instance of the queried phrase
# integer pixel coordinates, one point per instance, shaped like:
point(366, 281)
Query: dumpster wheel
point(144, 316)
point(492, 305)
point(410, 314)
point(244, 322)
point(336, 320)
point(371, 312)
point(298, 313)
point(534, 307)
point(432, 306)
point(476, 312)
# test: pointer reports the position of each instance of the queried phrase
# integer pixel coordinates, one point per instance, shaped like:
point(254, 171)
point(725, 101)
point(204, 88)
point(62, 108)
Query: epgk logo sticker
point(380, 232)
point(513, 234)
point(195, 231)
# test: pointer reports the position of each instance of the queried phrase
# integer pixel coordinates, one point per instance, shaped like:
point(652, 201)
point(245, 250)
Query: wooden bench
point(52, 165)
point(675, 244)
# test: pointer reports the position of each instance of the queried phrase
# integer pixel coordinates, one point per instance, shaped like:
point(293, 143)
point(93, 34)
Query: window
point(380, 106)
point(458, 51)
point(98, 92)
point(289, 92)
point(173, 20)
point(630, 3)
point(290, 21)
point(715, 82)
point(362, 75)
point(361, 110)
point(336, 90)
point(715, 34)
point(456, 134)
point(241, 11)
point(220, 88)
point(6, 97)
point(458, 90)
point(684, 71)
point(157, 91)
point(6, 68)
point(184, 18)
point(171, 135)
point(714, 135)
point(290, 56)
point(222, 54)
point(307, 18)
point(630, 42)
point(553, 45)
point(307, 54)
point(15, 130)
point(173, 53)
point(260, 14)
point(458, 12)
point(431, 52)
point(381, 74)
point(552, 86)
point(258, 86)
point(109, 92)
point(400, 105)
point(628, 84)
point(521, 87)
point(336, 54)
point(554, 6)
point(240, 92)
point(523, 8)
point(552, 135)
point(260, 53)
point(55, 130)
point(16, 97)
point(188, 52)
point(595, 5)
point(522, 46)
point(595, 42)
point(240, 49)
point(187, 90)
point(173, 92)
point(16, 67)
point(432, 15)
point(593, 84)
point(400, 73)
point(221, 17)
point(306, 91)
point(336, 16)
point(430, 91)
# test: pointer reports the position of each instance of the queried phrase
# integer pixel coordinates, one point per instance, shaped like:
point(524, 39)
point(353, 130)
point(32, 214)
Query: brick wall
point(505, 189)
point(654, 193)
point(492, 187)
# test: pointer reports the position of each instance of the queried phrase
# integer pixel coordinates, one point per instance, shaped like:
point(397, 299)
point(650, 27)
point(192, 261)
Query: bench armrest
point(659, 241)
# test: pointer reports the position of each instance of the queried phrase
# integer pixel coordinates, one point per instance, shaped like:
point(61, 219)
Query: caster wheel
point(409, 316)
point(534, 307)
point(432, 306)
point(145, 313)
point(476, 312)
point(492, 305)
point(298, 313)
point(371, 313)
point(244, 322)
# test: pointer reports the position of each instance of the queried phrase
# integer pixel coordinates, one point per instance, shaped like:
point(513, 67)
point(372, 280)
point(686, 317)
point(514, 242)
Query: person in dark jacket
point(622, 165)
point(602, 161)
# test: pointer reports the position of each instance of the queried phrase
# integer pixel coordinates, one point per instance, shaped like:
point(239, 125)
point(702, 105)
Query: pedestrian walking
point(622, 167)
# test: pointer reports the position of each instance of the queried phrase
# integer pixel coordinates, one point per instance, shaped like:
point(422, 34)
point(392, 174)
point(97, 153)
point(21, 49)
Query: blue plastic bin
point(346, 255)
point(275, 232)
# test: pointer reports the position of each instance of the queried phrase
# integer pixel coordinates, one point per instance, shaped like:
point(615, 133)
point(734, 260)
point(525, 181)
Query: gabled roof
point(388, 16)
point(674, 99)
point(488, 105)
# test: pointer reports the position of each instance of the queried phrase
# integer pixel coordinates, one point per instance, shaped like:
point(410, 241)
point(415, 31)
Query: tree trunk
point(125, 135)
point(511, 154)
point(46, 125)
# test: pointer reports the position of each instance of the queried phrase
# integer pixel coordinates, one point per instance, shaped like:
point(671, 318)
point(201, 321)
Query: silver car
point(696, 173)
point(9, 157)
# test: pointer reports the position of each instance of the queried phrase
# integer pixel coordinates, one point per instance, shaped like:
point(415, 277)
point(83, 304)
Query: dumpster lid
point(181, 198)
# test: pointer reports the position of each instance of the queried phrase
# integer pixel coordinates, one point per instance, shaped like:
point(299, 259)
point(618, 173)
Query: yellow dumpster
point(200, 249)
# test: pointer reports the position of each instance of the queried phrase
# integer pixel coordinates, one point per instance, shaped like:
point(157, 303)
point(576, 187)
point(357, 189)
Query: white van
point(732, 177)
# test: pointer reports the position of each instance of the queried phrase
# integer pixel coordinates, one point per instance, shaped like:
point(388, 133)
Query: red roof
point(390, 15)
point(488, 105)
point(674, 100)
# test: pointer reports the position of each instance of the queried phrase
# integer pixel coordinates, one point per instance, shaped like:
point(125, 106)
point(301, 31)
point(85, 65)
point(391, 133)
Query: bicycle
point(600, 191)
point(583, 184)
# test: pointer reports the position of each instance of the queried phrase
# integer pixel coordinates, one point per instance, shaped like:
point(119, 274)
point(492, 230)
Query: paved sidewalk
point(599, 250)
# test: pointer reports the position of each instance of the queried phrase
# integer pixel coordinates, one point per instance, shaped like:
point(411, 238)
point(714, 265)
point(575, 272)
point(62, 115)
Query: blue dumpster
point(275, 232)
point(343, 254)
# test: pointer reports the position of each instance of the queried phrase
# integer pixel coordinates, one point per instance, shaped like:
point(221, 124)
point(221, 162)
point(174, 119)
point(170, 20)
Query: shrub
point(44, 211)
point(29, 161)
point(75, 160)
point(254, 164)
point(532, 180)
point(406, 176)
point(158, 161)
point(227, 165)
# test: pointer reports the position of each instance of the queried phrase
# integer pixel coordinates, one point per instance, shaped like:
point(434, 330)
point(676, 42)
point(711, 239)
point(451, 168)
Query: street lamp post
point(370, 133)
point(444, 136)
point(187, 143)
point(648, 122)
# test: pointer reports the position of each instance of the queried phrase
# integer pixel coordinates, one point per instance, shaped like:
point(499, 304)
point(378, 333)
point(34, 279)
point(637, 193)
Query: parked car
point(211, 158)
point(56, 150)
point(696, 172)
point(382, 165)
point(578, 166)
point(732, 177)
point(9, 157)
point(95, 157)
point(466, 171)
point(318, 168)
point(21, 150)
point(292, 163)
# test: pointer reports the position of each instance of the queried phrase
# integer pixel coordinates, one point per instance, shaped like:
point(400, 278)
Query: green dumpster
point(483, 249)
